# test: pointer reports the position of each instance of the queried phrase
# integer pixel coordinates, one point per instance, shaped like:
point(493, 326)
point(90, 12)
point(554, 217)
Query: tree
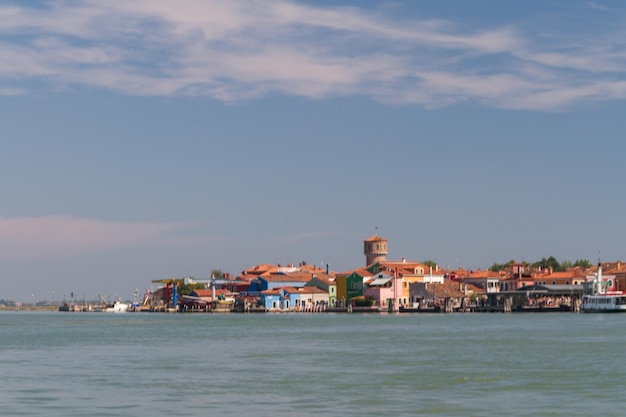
point(364, 301)
point(501, 267)
point(583, 263)
point(217, 274)
point(186, 289)
point(550, 263)
point(431, 264)
point(579, 263)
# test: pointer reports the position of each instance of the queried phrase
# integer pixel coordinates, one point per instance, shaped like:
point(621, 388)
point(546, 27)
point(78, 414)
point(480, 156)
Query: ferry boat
point(604, 303)
point(604, 298)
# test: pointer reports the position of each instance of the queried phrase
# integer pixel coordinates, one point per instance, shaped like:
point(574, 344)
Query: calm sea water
point(143, 364)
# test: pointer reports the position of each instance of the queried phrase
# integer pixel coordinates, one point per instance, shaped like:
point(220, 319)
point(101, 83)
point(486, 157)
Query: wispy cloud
point(62, 236)
point(597, 6)
point(241, 50)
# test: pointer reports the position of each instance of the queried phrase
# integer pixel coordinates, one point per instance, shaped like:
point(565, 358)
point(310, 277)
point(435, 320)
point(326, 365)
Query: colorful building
point(350, 285)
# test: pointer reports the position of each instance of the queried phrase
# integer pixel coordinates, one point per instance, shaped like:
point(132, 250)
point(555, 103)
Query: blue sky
point(148, 139)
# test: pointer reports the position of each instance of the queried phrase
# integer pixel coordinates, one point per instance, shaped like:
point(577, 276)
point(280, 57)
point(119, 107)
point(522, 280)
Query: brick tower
point(375, 249)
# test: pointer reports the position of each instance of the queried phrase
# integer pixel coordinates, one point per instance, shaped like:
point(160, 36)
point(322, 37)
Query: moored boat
point(604, 303)
point(604, 296)
point(116, 307)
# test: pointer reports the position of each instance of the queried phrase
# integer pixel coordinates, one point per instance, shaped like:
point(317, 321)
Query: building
point(276, 299)
point(487, 281)
point(326, 283)
point(350, 285)
point(375, 249)
point(277, 280)
point(386, 290)
point(311, 298)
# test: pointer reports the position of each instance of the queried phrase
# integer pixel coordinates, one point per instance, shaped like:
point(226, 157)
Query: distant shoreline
point(29, 308)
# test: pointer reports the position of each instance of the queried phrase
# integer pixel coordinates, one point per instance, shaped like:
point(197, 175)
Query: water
point(143, 364)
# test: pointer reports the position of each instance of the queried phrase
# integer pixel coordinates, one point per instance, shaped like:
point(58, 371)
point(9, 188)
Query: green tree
point(186, 289)
point(550, 263)
point(496, 267)
point(217, 274)
point(364, 301)
point(583, 263)
point(430, 263)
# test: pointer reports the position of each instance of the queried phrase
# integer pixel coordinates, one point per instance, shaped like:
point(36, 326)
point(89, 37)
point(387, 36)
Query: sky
point(150, 139)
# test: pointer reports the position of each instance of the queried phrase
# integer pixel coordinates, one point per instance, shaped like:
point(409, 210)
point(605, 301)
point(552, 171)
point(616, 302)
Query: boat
point(116, 307)
point(604, 296)
point(604, 303)
point(65, 307)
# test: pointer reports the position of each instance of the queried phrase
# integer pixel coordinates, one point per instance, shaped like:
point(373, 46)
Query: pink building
point(385, 289)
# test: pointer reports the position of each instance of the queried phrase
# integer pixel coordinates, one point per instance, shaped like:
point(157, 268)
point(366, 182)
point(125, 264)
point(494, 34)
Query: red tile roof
point(375, 238)
point(447, 289)
point(208, 292)
point(311, 290)
point(361, 271)
point(293, 277)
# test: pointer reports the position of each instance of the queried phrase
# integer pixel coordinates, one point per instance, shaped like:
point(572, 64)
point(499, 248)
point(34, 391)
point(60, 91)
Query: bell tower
point(375, 249)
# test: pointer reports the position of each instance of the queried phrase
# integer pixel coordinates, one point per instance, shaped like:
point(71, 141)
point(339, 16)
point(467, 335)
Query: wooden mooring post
point(507, 304)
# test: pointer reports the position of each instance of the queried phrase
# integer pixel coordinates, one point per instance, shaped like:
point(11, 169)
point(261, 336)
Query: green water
point(140, 364)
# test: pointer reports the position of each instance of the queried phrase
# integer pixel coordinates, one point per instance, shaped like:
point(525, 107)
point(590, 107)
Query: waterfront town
point(380, 285)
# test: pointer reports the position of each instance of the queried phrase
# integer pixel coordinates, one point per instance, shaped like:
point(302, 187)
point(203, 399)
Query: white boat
point(116, 307)
point(604, 303)
point(604, 297)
